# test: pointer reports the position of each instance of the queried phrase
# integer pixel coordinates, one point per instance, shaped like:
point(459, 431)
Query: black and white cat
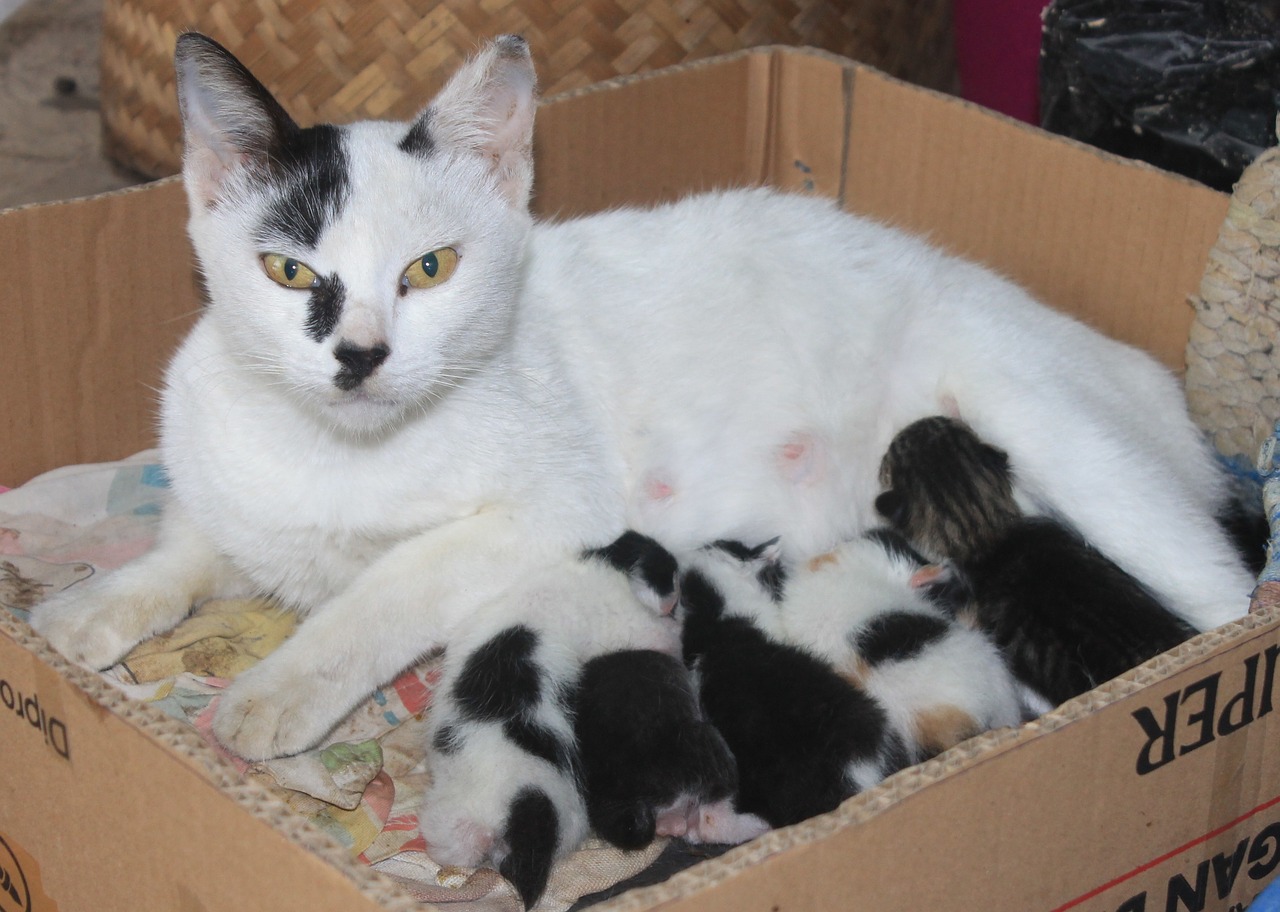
point(515, 748)
point(405, 395)
point(1067, 617)
point(825, 676)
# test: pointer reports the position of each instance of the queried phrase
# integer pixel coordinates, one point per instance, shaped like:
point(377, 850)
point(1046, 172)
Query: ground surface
point(50, 131)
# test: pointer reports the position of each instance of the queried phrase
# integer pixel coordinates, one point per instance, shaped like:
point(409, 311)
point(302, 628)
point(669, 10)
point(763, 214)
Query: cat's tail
point(533, 833)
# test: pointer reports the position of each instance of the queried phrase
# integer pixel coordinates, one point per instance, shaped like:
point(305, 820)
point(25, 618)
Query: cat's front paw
point(273, 710)
point(96, 627)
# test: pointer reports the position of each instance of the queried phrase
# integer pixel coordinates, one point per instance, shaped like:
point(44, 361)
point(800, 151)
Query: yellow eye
point(288, 272)
point(430, 269)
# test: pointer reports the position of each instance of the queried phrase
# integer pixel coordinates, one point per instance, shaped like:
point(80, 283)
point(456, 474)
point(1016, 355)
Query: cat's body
point(805, 737)
point(1066, 616)
point(870, 609)
point(509, 774)
point(389, 457)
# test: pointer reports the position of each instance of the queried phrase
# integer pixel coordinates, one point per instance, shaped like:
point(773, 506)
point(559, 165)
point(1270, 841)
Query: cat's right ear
point(229, 119)
point(487, 108)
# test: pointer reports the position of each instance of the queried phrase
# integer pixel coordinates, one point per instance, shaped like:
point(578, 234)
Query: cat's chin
point(363, 414)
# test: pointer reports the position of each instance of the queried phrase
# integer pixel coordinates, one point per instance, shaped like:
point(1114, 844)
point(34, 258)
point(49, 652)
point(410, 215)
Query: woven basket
point(337, 60)
point(1233, 354)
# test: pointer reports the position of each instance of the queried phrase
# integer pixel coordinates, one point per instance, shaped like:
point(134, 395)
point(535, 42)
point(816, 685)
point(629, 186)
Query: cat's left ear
point(487, 107)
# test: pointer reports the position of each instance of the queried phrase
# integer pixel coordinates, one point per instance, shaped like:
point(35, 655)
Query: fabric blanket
point(363, 785)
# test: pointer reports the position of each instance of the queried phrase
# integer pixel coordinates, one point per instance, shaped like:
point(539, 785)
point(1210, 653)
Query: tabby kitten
point(1067, 617)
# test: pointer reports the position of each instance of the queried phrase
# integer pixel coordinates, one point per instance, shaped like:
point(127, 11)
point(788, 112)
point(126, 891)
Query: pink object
point(998, 54)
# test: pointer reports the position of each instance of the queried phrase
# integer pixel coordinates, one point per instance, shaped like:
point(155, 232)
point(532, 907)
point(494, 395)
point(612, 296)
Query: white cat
point(404, 393)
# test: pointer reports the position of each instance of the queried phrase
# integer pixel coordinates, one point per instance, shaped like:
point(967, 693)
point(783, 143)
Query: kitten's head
point(947, 490)
point(363, 270)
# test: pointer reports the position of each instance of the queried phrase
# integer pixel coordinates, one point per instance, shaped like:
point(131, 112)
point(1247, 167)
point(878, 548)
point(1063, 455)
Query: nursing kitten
point(405, 396)
point(873, 609)
point(1067, 617)
point(804, 738)
point(507, 772)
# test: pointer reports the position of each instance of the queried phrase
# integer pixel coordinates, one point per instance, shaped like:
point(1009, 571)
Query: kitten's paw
point(272, 710)
point(718, 823)
point(97, 627)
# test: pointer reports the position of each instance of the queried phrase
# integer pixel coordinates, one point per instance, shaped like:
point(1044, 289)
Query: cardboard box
point(1159, 792)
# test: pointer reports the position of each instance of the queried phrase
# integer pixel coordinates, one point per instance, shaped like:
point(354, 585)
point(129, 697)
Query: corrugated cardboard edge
point(893, 791)
point(853, 68)
point(185, 743)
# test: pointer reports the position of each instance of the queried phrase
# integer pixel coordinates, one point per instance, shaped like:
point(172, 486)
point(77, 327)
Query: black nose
point(357, 363)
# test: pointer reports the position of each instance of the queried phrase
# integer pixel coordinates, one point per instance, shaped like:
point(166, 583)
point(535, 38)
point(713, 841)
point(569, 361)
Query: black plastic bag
point(1192, 87)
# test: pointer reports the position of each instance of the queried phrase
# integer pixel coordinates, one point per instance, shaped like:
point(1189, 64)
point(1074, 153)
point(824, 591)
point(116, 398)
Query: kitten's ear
point(229, 119)
point(995, 459)
point(487, 107)
point(892, 506)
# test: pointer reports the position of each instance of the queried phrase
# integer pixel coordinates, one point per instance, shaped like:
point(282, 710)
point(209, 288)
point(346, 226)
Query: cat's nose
point(358, 362)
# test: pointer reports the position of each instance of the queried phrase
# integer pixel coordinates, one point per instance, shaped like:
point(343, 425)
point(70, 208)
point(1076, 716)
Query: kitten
point(1067, 617)
point(405, 396)
point(652, 763)
point(804, 738)
point(508, 772)
point(872, 608)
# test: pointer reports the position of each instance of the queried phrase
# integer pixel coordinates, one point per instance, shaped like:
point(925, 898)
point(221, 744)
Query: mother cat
point(404, 393)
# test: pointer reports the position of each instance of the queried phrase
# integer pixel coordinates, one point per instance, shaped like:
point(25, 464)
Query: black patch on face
point(419, 141)
point(500, 680)
point(324, 307)
point(533, 833)
point(898, 635)
point(642, 559)
point(310, 165)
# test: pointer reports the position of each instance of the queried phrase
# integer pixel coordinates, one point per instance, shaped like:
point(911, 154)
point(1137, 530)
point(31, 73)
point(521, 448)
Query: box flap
point(98, 292)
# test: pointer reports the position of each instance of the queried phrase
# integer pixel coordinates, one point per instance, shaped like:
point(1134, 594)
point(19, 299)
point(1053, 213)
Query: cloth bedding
point(363, 786)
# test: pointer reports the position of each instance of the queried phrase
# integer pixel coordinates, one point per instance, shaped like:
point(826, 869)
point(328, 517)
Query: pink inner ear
point(927, 576)
point(949, 406)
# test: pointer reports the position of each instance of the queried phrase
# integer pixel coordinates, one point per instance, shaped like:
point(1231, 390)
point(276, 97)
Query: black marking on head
point(447, 740)
point(357, 363)
point(500, 680)
point(898, 635)
point(324, 307)
point(311, 167)
point(699, 596)
point(772, 577)
point(642, 559)
point(533, 832)
point(740, 550)
point(419, 141)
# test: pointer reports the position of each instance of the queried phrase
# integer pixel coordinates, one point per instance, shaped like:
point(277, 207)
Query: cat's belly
point(803, 484)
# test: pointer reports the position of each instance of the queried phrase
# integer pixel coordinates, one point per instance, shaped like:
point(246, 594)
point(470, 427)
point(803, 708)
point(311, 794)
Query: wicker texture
point(1233, 364)
point(341, 60)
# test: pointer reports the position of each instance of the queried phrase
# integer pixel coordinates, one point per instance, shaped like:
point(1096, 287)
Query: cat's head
point(363, 270)
point(948, 491)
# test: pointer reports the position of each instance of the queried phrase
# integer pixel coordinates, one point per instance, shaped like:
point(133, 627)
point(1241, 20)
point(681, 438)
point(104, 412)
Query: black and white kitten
point(805, 738)
point(1067, 617)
